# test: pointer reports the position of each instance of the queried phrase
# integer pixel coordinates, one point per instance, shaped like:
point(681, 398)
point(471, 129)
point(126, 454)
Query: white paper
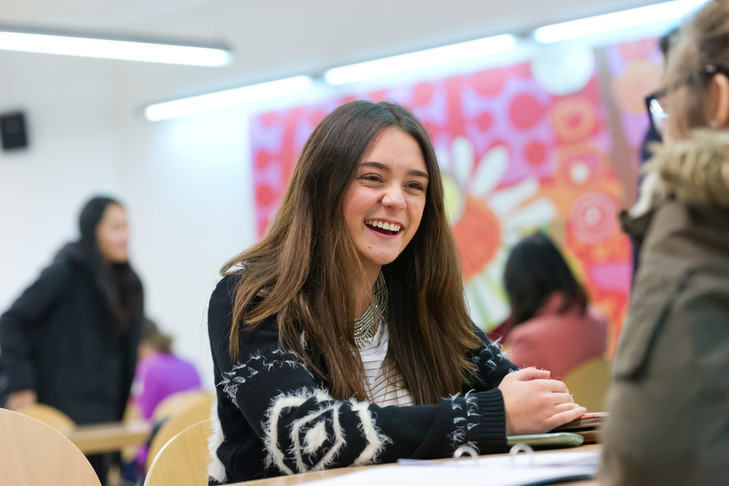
point(487, 471)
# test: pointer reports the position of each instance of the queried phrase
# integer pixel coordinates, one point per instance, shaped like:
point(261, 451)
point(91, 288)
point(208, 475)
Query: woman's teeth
point(394, 227)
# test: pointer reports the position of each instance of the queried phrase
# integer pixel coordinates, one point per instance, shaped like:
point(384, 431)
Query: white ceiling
point(276, 38)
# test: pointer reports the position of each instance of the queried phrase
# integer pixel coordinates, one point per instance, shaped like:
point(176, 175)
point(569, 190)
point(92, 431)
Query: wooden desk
point(313, 476)
point(109, 437)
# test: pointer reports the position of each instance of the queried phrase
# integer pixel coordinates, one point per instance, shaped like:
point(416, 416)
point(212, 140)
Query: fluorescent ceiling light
point(419, 59)
point(229, 97)
point(623, 19)
point(127, 50)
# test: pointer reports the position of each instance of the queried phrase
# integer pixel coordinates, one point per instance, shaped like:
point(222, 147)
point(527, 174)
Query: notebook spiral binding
point(513, 452)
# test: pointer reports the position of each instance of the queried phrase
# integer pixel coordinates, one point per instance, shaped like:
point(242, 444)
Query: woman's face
point(384, 203)
point(112, 235)
point(675, 126)
point(682, 77)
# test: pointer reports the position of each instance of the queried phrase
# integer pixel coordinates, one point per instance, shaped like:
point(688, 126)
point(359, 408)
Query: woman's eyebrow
point(386, 168)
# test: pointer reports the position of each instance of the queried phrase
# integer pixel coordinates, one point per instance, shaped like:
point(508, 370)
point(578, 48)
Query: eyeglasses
point(655, 109)
point(654, 101)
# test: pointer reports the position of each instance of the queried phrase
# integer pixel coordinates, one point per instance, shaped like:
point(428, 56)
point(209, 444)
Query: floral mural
point(549, 144)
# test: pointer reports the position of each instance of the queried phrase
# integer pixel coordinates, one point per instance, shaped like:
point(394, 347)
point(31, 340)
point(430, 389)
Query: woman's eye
point(371, 177)
point(416, 186)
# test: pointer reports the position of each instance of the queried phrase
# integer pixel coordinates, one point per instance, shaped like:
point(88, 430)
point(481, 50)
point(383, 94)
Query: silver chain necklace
point(366, 325)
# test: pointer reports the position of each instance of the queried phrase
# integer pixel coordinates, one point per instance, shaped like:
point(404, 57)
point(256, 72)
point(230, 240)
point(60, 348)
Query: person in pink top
point(550, 326)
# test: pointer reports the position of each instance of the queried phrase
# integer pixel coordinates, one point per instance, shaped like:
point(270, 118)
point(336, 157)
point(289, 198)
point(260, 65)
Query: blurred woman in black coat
point(70, 339)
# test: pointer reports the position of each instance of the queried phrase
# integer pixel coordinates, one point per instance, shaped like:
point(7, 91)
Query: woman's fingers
point(561, 398)
point(557, 386)
point(563, 407)
point(562, 418)
point(527, 374)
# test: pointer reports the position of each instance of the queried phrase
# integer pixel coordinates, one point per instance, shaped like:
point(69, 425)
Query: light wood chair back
point(588, 383)
point(178, 402)
point(183, 459)
point(198, 411)
point(50, 416)
point(33, 453)
point(132, 415)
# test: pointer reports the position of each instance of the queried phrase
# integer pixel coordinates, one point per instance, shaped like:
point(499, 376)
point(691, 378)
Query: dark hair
point(304, 270)
point(119, 284)
point(158, 340)
point(535, 270)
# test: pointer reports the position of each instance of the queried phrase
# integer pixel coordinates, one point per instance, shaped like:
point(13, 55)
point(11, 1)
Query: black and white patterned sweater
point(275, 416)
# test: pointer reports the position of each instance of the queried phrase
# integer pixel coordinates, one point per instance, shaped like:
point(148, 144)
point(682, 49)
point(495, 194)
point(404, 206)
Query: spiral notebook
point(521, 470)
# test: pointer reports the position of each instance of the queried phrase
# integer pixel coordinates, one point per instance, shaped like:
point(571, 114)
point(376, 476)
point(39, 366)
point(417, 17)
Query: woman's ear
point(718, 108)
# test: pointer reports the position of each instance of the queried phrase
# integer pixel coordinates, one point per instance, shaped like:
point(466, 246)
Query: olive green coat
point(668, 405)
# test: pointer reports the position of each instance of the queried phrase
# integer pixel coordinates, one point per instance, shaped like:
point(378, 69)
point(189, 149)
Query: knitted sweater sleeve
point(491, 363)
point(303, 428)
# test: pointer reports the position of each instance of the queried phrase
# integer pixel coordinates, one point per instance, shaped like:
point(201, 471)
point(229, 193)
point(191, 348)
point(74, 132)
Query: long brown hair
point(304, 270)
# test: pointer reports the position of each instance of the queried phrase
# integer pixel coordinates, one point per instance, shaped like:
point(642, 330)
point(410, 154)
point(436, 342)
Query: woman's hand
point(21, 399)
point(534, 403)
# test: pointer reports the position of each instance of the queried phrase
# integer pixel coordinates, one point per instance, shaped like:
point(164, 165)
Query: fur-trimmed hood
point(694, 170)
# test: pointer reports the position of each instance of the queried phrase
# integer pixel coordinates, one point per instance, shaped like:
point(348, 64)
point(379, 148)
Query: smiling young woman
point(384, 203)
point(354, 302)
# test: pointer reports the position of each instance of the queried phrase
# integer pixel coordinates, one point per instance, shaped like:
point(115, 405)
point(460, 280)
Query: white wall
point(186, 185)
point(71, 156)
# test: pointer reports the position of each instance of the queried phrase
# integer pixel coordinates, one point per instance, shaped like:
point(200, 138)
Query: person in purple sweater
point(159, 372)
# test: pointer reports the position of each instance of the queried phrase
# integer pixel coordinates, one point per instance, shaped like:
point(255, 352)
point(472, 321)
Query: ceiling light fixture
point(614, 21)
point(109, 48)
point(419, 59)
point(229, 97)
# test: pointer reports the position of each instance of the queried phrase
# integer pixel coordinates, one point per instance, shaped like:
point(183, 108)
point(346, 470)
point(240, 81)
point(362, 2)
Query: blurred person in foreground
point(651, 138)
point(668, 422)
